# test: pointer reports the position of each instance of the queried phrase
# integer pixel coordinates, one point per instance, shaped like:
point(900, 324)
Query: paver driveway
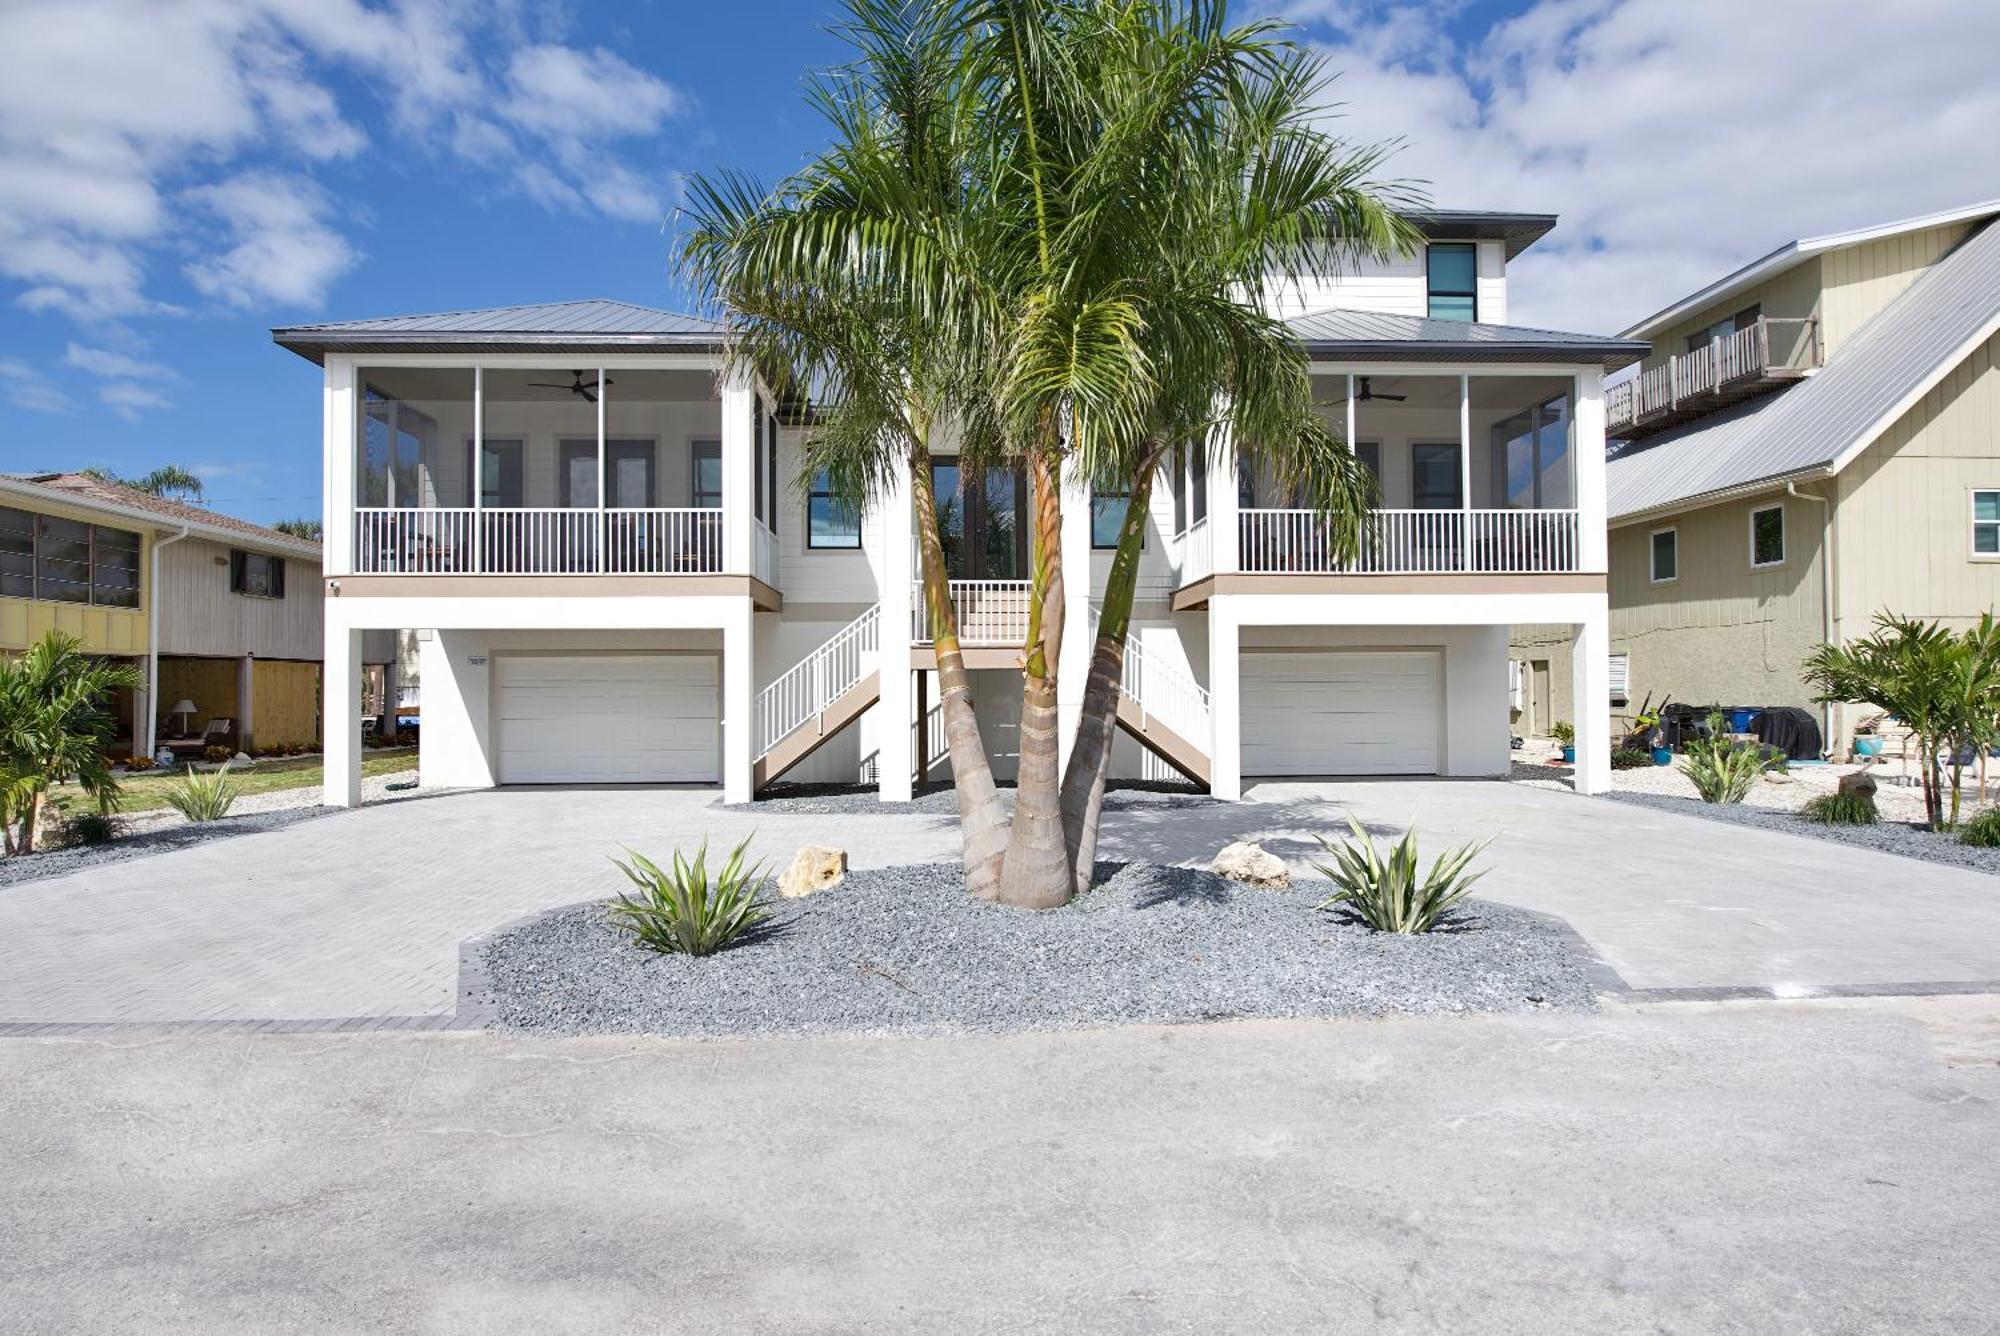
point(361, 914)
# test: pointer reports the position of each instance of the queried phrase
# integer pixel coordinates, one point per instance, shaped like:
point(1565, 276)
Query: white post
point(739, 657)
point(1225, 766)
point(341, 408)
point(1590, 657)
point(1587, 467)
point(1222, 523)
point(1074, 671)
point(1465, 473)
point(340, 717)
point(478, 468)
point(895, 759)
point(145, 719)
point(603, 561)
point(738, 475)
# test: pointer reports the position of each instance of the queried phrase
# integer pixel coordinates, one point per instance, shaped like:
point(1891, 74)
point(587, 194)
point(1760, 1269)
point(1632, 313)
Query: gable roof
point(1819, 424)
point(591, 325)
point(1795, 253)
point(1347, 333)
point(126, 503)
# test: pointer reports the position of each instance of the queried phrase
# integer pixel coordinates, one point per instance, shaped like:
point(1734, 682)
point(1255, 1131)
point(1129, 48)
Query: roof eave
point(1612, 355)
point(314, 346)
point(303, 548)
point(1722, 495)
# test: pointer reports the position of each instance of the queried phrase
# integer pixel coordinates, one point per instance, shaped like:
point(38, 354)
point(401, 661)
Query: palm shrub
point(685, 911)
point(206, 797)
point(1982, 831)
point(91, 826)
point(1842, 809)
point(55, 724)
point(1387, 893)
point(1722, 770)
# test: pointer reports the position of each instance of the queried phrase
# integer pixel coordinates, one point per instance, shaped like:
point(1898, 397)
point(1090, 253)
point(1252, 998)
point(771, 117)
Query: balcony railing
point(1412, 542)
point(988, 612)
point(1195, 554)
point(1768, 352)
point(519, 541)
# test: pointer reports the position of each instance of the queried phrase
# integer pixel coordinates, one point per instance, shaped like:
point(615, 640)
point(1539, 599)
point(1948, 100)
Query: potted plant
point(1646, 726)
point(1565, 733)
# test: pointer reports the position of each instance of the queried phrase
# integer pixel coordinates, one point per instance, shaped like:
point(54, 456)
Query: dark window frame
point(1099, 500)
point(242, 561)
point(1433, 290)
point(1784, 537)
point(822, 490)
point(698, 450)
point(1672, 534)
point(106, 571)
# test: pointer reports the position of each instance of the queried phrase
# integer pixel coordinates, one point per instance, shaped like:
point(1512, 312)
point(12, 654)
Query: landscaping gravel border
point(1888, 837)
point(940, 800)
point(905, 950)
point(60, 862)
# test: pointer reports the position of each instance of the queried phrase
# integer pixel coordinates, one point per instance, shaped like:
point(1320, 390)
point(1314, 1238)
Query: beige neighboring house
point(1814, 439)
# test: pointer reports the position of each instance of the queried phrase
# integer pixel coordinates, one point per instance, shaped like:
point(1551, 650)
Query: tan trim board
point(1453, 582)
point(924, 659)
point(555, 586)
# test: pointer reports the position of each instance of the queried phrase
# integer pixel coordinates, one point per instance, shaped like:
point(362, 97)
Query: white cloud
point(104, 362)
point(25, 387)
point(112, 112)
point(128, 400)
point(1678, 139)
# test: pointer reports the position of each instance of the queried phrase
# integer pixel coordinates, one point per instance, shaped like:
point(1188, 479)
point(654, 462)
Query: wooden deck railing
point(1744, 359)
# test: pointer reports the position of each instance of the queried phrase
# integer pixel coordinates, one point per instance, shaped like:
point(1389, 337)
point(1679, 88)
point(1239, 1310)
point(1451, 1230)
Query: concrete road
point(1803, 1168)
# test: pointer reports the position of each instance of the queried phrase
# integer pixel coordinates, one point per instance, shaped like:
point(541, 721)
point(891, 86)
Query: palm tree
point(300, 528)
point(55, 723)
point(169, 480)
point(1943, 685)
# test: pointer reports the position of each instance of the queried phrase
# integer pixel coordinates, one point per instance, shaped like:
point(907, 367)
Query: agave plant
point(204, 797)
point(1387, 893)
point(683, 911)
point(1722, 770)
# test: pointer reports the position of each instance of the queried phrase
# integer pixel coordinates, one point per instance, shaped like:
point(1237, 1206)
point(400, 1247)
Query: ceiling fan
point(1368, 392)
point(576, 386)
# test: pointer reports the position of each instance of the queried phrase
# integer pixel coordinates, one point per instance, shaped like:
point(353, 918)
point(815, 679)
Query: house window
point(1723, 328)
point(1434, 477)
point(757, 454)
point(1453, 272)
point(1666, 555)
point(67, 561)
point(1621, 678)
point(1985, 525)
point(1198, 488)
point(830, 520)
point(114, 567)
point(707, 486)
point(257, 574)
point(1180, 495)
point(17, 553)
point(1107, 517)
point(1767, 536)
point(771, 470)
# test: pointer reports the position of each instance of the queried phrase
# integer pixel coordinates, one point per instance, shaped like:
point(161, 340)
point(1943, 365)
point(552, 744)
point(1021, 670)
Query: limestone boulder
point(815, 868)
point(1252, 864)
point(1860, 782)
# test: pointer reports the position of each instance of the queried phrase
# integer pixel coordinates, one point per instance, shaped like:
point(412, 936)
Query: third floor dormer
point(1458, 273)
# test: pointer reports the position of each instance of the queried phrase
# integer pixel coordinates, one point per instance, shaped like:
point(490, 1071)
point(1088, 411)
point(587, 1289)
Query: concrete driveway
point(361, 914)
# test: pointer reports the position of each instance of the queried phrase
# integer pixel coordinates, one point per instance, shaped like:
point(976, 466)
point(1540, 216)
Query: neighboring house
point(596, 536)
point(214, 610)
point(1814, 439)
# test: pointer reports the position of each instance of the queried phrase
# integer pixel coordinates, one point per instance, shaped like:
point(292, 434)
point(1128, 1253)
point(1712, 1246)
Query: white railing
point(809, 686)
point(1735, 357)
point(1161, 690)
point(537, 541)
point(1196, 555)
point(988, 612)
point(764, 553)
point(1412, 542)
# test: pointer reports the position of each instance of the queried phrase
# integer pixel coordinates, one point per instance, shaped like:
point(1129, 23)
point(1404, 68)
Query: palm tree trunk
point(982, 817)
point(1097, 726)
point(1035, 873)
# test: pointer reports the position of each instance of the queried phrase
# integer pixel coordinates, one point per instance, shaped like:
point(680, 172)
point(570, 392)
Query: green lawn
point(148, 792)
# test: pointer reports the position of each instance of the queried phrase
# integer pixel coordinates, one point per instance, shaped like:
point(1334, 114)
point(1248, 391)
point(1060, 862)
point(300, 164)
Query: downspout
point(153, 640)
point(1825, 596)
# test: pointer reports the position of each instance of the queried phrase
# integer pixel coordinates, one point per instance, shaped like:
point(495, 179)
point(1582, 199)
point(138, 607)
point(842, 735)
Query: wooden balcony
point(1765, 355)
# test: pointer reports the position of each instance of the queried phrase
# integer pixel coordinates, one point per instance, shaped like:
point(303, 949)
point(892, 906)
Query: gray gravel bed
point(1889, 837)
point(906, 950)
point(58, 862)
point(941, 800)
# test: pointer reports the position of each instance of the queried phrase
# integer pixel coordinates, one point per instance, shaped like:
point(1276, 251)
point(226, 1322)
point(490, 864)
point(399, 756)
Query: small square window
point(257, 574)
point(1986, 524)
point(1666, 555)
point(830, 520)
point(1767, 536)
point(1107, 517)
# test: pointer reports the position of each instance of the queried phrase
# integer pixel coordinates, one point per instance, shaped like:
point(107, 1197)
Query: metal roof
point(125, 503)
point(594, 325)
point(1797, 252)
point(1816, 426)
point(1518, 230)
point(1347, 333)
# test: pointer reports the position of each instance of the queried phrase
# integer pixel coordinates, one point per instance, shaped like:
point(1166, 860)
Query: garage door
point(608, 719)
point(1346, 712)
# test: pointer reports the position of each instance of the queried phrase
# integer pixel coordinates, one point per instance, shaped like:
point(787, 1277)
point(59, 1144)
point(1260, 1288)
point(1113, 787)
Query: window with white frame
point(1767, 536)
point(1621, 678)
point(1666, 555)
point(1986, 524)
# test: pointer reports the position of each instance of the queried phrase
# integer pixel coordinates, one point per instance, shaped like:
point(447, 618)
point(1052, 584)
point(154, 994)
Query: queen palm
point(55, 723)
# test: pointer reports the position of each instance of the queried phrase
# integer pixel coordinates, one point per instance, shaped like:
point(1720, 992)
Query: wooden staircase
point(809, 737)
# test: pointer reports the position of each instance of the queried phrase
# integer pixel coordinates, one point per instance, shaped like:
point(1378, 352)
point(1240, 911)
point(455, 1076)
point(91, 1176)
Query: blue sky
point(175, 178)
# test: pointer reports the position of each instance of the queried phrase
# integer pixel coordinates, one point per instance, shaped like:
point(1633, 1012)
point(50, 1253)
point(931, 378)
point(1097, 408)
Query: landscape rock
point(1252, 864)
point(816, 867)
point(1861, 782)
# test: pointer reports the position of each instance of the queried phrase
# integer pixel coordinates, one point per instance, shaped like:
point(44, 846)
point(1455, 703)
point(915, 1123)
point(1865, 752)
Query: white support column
point(341, 408)
point(895, 749)
point(1222, 525)
point(1465, 473)
point(1074, 670)
point(739, 659)
point(246, 701)
point(1587, 459)
point(1225, 767)
point(478, 474)
point(145, 719)
point(738, 475)
point(603, 530)
point(340, 717)
point(1590, 663)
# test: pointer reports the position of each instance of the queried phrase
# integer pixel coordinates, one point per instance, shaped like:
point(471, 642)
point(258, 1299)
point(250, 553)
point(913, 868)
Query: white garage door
point(608, 719)
point(1341, 712)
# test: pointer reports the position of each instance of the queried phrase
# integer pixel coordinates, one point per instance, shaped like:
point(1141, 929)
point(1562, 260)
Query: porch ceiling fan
point(1368, 392)
point(575, 387)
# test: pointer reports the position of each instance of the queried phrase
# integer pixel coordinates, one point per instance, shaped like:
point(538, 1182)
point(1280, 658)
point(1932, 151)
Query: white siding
point(200, 615)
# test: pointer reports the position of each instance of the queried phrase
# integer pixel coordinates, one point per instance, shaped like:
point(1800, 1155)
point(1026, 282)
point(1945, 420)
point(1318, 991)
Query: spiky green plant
point(1388, 893)
point(1722, 773)
point(200, 797)
point(1981, 830)
point(1841, 809)
point(684, 911)
point(56, 719)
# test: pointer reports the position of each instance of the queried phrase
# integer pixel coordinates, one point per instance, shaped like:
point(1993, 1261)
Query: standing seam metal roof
point(1813, 425)
point(595, 323)
point(1383, 334)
